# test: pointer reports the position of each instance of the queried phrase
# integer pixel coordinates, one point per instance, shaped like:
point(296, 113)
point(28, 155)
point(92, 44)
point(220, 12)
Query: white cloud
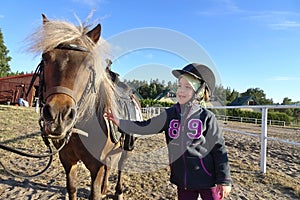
point(230, 6)
point(1, 16)
point(283, 78)
point(276, 19)
point(221, 7)
point(285, 25)
point(90, 2)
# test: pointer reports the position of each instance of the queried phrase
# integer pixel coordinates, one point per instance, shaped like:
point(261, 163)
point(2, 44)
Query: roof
point(243, 100)
point(161, 95)
point(18, 76)
point(165, 98)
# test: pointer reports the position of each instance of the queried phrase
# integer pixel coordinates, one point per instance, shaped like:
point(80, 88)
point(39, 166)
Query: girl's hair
point(202, 96)
point(206, 96)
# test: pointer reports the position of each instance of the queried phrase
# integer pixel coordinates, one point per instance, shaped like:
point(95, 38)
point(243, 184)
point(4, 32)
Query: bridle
point(44, 92)
point(90, 87)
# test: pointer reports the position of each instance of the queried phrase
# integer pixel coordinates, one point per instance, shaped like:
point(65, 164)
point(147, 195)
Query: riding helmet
point(199, 71)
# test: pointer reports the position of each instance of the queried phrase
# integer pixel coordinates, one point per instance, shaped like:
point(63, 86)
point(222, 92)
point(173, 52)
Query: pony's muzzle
point(58, 121)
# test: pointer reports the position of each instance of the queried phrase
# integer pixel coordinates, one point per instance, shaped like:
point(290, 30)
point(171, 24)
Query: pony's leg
point(69, 162)
point(119, 185)
point(71, 176)
point(97, 172)
point(105, 181)
point(71, 173)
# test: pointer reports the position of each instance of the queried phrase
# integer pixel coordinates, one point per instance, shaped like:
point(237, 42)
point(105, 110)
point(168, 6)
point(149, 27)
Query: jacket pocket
point(199, 168)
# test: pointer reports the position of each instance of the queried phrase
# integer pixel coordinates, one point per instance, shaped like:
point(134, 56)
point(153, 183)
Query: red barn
point(14, 87)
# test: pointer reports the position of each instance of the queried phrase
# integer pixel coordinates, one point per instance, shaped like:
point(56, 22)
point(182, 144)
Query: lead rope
point(38, 73)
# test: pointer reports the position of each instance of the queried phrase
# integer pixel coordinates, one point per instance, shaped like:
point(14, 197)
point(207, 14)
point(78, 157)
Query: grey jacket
point(197, 154)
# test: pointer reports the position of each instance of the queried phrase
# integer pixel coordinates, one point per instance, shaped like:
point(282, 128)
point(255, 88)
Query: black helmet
point(199, 71)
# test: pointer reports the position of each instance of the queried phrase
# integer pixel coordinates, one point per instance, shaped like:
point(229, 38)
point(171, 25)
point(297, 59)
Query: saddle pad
point(128, 110)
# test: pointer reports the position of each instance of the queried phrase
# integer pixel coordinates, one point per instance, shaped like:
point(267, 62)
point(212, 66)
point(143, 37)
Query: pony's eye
point(46, 57)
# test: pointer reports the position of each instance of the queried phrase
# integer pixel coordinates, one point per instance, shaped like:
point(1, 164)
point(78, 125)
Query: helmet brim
point(178, 72)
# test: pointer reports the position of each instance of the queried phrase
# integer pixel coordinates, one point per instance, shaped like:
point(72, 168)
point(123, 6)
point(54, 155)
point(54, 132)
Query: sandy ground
point(147, 171)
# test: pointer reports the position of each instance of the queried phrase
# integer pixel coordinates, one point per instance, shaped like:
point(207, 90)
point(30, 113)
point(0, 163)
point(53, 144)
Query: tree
point(230, 95)
point(286, 101)
point(4, 58)
point(290, 111)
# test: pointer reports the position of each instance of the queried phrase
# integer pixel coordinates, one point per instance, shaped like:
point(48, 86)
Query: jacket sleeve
point(219, 153)
point(151, 126)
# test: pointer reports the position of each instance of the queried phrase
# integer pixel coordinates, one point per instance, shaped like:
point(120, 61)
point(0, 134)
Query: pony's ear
point(45, 19)
point(95, 33)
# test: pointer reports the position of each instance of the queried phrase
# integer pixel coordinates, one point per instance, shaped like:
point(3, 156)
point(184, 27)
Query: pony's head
point(74, 82)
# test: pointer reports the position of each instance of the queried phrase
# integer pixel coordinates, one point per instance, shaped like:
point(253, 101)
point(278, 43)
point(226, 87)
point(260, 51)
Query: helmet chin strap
point(196, 96)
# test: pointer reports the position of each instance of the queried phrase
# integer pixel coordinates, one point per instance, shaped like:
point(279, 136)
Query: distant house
point(167, 96)
point(244, 101)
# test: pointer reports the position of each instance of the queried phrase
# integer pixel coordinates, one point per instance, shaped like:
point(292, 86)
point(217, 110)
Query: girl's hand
point(224, 190)
point(109, 115)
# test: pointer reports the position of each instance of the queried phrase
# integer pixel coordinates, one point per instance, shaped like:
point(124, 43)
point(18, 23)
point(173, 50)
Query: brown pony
point(76, 90)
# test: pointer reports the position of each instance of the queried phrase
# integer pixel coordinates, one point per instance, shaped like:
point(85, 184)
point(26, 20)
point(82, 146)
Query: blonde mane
point(55, 32)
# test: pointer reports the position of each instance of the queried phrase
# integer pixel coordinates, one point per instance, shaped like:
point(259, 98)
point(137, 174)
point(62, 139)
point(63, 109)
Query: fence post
point(263, 140)
point(37, 106)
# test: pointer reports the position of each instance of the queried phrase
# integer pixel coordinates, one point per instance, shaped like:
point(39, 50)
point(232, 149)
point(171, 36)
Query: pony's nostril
point(47, 113)
point(72, 114)
point(68, 113)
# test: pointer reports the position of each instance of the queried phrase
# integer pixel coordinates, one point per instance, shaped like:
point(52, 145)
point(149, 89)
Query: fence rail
point(152, 111)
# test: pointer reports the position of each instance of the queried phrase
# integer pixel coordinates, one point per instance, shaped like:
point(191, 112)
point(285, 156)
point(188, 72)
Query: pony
point(75, 90)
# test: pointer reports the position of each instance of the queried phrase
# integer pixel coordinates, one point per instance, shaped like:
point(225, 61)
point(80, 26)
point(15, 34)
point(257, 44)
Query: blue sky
point(249, 43)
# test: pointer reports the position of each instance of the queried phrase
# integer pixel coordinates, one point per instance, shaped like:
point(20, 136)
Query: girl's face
point(184, 92)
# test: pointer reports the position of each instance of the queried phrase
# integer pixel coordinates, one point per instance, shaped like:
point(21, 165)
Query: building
point(14, 87)
point(245, 101)
point(167, 96)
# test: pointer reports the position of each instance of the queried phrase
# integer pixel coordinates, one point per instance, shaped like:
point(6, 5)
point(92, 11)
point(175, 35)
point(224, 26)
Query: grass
point(18, 126)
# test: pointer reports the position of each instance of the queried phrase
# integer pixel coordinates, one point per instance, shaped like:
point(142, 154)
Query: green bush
point(279, 116)
point(257, 115)
point(154, 103)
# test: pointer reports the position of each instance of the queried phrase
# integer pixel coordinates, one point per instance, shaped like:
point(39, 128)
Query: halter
point(89, 88)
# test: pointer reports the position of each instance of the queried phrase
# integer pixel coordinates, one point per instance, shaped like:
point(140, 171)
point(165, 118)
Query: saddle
point(128, 104)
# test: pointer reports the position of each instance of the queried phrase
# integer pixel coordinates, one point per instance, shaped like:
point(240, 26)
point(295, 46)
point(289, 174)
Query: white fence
point(250, 120)
point(152, 111)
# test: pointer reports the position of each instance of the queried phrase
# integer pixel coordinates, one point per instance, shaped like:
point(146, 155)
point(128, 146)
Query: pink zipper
point(182, 146)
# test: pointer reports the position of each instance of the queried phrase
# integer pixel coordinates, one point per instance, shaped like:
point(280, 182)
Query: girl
point(197, 154)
